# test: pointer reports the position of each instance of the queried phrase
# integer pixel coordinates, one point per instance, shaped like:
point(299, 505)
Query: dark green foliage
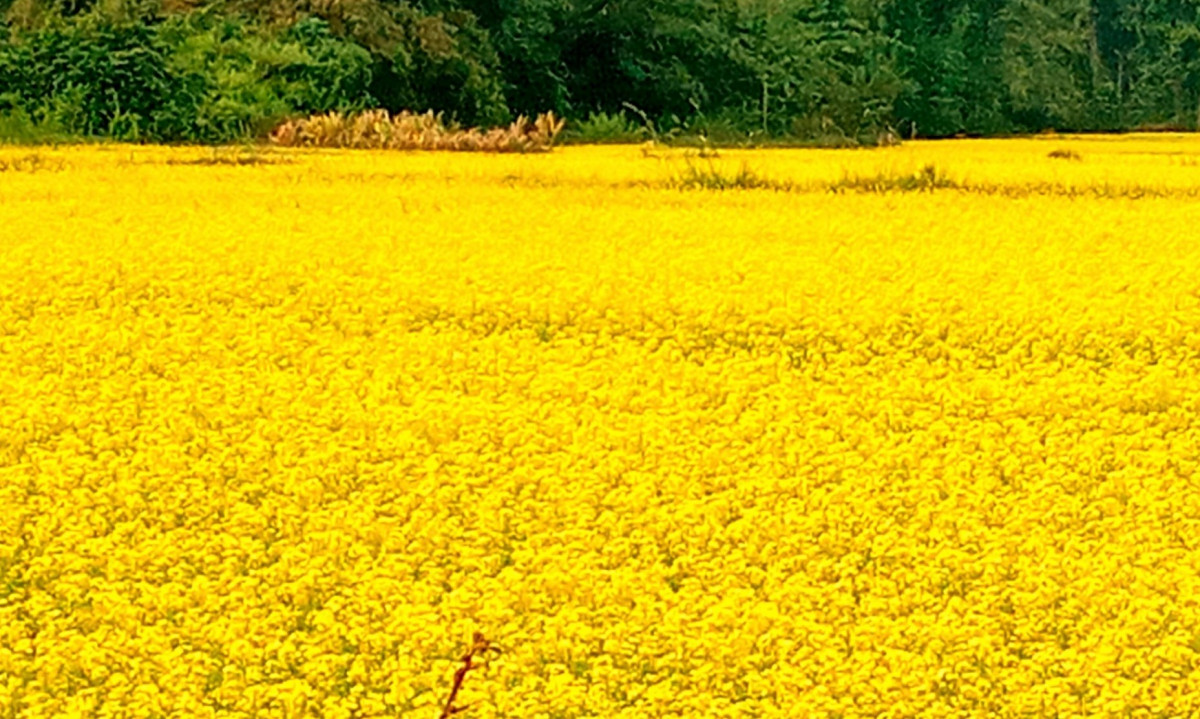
point(932, 47)
point(988, 66)
point(191, 78)
point(601, 127)
point(17, 126)
point(421, 58)
point(250, 79)
point(332, 74)
point(93, 78)
point(831, 72)
point(445, 63)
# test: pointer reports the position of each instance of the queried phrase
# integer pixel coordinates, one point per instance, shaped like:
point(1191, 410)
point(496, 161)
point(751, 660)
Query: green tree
point(1051, 66)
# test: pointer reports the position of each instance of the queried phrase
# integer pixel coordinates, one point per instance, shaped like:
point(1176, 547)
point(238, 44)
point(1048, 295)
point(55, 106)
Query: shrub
point(194, 77)
point(17, 126)
point(602, 127)
point(93, 78)
point(252, 80)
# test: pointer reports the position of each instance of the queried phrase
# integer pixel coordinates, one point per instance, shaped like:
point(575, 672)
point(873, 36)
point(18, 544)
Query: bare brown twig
point(480, 647)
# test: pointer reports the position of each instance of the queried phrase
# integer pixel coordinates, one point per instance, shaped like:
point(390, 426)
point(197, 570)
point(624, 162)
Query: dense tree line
point(832, 70)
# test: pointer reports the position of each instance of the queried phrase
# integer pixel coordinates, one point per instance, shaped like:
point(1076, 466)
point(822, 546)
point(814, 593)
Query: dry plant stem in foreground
point(480, 646)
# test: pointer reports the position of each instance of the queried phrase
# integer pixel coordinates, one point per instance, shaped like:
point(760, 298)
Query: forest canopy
point(834, 71)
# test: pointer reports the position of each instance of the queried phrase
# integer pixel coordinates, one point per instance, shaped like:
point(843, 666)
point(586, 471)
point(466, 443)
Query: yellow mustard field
point(281, 430)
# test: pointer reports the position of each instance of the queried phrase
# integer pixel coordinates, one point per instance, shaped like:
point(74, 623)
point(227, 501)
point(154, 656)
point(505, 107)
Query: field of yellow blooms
point(280, 430)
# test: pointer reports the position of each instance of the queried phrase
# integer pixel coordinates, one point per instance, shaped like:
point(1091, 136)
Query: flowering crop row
point(277, 437)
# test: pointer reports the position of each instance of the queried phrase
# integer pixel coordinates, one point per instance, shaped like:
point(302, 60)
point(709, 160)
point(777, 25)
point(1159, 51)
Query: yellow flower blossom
point(278, 436)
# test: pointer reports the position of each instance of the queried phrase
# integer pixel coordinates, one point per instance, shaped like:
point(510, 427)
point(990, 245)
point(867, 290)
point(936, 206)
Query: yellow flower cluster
point(280, 431)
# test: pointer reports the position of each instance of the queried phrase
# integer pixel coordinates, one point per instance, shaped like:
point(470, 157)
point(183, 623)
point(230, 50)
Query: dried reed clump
point(377, 129)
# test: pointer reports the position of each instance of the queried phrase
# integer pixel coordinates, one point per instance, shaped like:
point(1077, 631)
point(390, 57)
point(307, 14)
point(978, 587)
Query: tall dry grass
point(378, 129)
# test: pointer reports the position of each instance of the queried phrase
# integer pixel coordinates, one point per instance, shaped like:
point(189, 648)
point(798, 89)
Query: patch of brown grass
point(378, 129)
